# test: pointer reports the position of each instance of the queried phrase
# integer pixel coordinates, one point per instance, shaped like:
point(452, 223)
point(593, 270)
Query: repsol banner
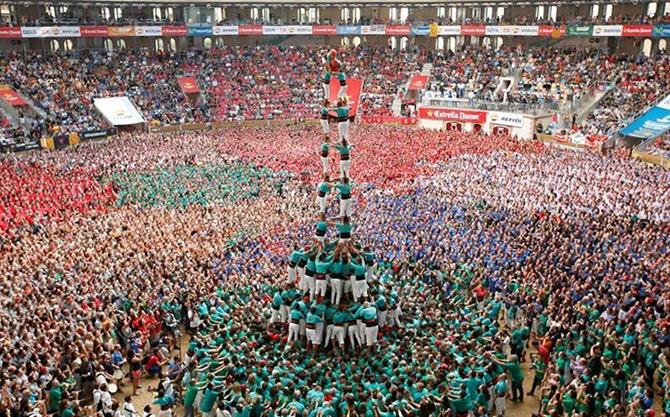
point(96, 134)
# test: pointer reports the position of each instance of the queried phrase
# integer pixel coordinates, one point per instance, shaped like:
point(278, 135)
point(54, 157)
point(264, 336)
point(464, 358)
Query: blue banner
point(200, 31)
point(652, 124)
point(348, 30)
point(662, 31)
point(421, 30)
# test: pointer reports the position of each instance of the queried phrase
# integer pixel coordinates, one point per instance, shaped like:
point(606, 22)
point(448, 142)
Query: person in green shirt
point(321, 229)
point(208, 400)
point(345, 159)
point(540, 368)
point(359, 285)
point(325, 127)
point(189, 400)
point(516, 375)
point(342, 112)
point(323, 189)
point(322, 265)
point(311, 322)
point(55, 397)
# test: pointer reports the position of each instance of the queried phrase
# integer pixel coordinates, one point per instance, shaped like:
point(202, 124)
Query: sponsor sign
point(251, 29)
point(348, 30)
point(324, 30)
point(93, 31)
point(148, 31)
point(609, 30)
point(421, 30)
point(51, 32)
point(400, 30)
point(10, 97)
point(473, 30)
point(287, 30)
point(452, 115)
point(373, 30)
point(96, 134)
point(118, 31)
point(637, 30)
point(449, 30)
point(10, 33)
point(419, 82)
point(200, 31)
point(505, 119)
point(225, 30)
point(580, 30)
point(512, 30)
point(174, 30)
point(118, 111)
point(652, 124)
point(661, 31)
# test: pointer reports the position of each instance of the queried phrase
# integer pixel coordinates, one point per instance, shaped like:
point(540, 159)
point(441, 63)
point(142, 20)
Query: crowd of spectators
point(497, 248)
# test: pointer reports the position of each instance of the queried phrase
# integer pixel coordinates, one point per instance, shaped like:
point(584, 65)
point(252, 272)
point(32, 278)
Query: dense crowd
point(498, 252)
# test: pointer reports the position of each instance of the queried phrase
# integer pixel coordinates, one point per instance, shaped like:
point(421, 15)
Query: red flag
point(188, 85)
point(354, 89)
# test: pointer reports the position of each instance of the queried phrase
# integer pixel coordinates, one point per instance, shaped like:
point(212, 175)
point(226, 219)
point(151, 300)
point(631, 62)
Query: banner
point(96, 134)
point(434, 30)
point(188, 85)
point(200, 31)
point(652, 124)
point(10, 33)
point(373, 30)
point(225, 30)
point(421, 30)
point(287, 30)
point(609, 30)
point(148, 31)
point(324, 30)
point(51, 32)
point(580, 30)
point(637, 30)
point(512, 30)
point(505, 119)
point(662, 31)
point(419, 82)
point(399, 30)
point(10, 97)
point(449, 30)
point(118, 111)
point(174, 30)
point(473, 30)
point(354, 89)
point(61, 141)
point(388, 119)
point(551, 31)
point(117, 31)
point(348, 30)
point(251, 29)
point(452, 115)
point(93, 31)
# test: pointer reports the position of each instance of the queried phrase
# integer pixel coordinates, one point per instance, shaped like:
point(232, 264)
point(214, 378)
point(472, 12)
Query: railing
point(463, 103)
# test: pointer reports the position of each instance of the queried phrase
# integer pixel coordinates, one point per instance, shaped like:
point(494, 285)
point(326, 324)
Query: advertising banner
point(225, 30)
point(51, 32)
point(419, 82)
point(348, 30)
point(287, 30)
point(93, 31)
point(452, 115)
point(637, 30)
point(662, 31)
point(580, 30)
point(652, 124)
point(373, 30)
point(10, 33)
point(512, 30)
point(251, 29)
point(449, 30)
point(200, 31)
point(609, 30)
point(96, 134)
point(505, 119)
point(399, 30)
point(118, 111)
point(10, 97)
point(174, 30)
point(117, 31)
point(420, 30)
point(473, 30)
point(321, 30)
point(148, 31)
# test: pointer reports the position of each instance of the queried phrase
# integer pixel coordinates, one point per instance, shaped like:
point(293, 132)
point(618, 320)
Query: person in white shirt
point(102, 400)
point(128, 408)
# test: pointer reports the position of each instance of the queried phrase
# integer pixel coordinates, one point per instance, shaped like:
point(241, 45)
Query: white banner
point(512, 30)
point(449, 30)
point(225, 30)
point(287, 30)
point(148, 31)
point(118, 111)
point(609, 30)
point(373, 30)
point(505, 119)
point(51, 32)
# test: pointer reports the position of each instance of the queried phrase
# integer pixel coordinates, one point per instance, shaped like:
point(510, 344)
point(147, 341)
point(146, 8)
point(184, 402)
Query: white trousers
point(371, 335)
point(325, 163)
point(336, 293)
point(338, 334)
point(276, 316)
point(345, 207)
point(359, 288)
point(293, 332)
point(343, 130)
point(313, 337)
point(291, 275)
point(284, 312)
point(321, 201)
point(325, 126)
point(345, 168)
point(311, 286)
point(321, 286)
point(354, 335)
point(382, 318)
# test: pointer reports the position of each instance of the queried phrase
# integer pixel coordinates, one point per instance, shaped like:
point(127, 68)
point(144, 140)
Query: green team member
point(323, 189)
point(293, 260)
point(321, 229)
point(325, 127)
point(189, 399)
point(55, 396)
point(540, 368)
point(344, 193)
point(345, 159)
point(322, 265)
point(344, 230)
point(342, 112)
point(208, 400)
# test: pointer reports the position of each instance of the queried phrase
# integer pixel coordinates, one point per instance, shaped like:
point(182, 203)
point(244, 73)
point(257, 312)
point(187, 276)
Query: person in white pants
point(323, 191)
point(325, 127)
point(345, 159)
point(344, 189)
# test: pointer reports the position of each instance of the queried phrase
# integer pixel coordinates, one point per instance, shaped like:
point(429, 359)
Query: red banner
point(452, 115)
point(10, 33)
point(188, 85)
point(10, 96)
point(93, 31)
point(251, 29)
point(324, 30)
point(551, 32)
point(473, 30)
point(388, 119)
point(174, 31)
point(637, 30)
point(354, 88)
point(402, 30)
point(419, 82)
